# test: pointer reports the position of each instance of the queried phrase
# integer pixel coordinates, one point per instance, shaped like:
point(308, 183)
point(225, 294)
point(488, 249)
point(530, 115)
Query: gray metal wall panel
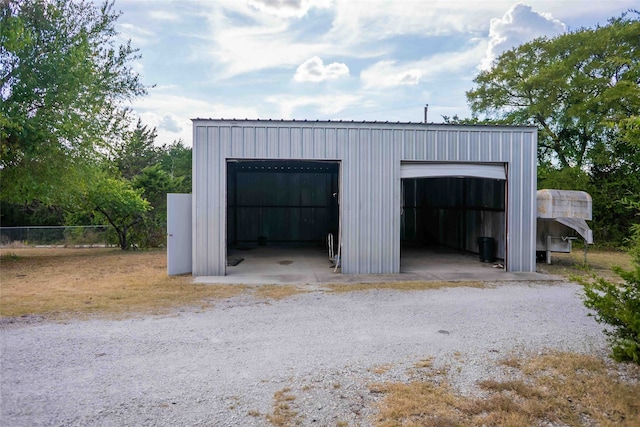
point(370, 190)
point(217, 196)
point(200, 191)
point(370, 199)
point(521, 207)
point(199, 187)
point(530, 165)
point(284, 142)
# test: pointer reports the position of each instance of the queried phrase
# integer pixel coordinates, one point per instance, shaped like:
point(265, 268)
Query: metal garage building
point(374, 184)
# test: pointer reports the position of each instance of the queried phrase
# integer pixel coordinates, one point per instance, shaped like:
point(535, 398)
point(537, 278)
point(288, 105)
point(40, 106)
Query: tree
point(456, 120)
point(154, 183)
point(630, 129)
point(155, 171)
point(576, 88)
point(118, 203)
point(582, 91)
point(35, 213)
point(136, 151)
point(63, 84)
point(176, 161)
point(618, 305)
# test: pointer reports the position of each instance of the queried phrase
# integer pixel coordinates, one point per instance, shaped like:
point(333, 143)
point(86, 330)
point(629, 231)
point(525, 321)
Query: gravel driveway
point(222, 366)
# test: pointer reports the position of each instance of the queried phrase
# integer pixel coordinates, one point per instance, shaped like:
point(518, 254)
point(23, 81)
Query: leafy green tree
point(618, 305)
point(136, 151)
point(116, 202)
point(14, 215)
point(155, 183)
point(582, 90)
point(155, 171)
point(574, 87)
point(564, 179)
point(63, 83)
point(456, 120)
point(630, 129)
point(176, 161)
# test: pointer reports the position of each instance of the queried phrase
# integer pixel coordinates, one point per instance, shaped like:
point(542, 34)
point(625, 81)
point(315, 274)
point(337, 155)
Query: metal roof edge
point(374, 122)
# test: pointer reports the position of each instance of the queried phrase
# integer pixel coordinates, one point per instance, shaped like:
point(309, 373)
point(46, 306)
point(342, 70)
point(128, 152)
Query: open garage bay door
point(451, 205)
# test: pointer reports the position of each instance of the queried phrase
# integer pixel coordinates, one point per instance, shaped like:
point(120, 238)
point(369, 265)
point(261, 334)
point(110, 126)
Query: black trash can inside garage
point(487, 249)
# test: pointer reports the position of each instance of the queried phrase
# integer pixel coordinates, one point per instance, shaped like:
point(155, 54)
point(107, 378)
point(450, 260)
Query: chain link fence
point(72, 236)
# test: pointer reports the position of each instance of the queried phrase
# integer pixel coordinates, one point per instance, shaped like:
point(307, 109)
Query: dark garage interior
point(291, 203)
point(451, 213)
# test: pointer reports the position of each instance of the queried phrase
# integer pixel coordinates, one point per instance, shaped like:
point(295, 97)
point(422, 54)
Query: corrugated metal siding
point(370, 155)
point(370, 202)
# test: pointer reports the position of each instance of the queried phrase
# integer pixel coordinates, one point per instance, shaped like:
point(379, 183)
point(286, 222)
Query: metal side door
point(178, 234)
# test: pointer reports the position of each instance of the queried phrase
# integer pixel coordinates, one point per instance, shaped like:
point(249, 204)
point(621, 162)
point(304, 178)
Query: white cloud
point(254, 35)
point(164, 15)
point(243, 38)
point(385, 74)
point(170, 123)
point(138, 35)
point(372, 20)
point(326, 104)
point(262, 34)
point(242, 50)
point(314, 70)
point(288, 8)
point(137, 66)
point(172, 114)
point(386, 42)
point(382, 19)
point(388, 73)
point(520, 24)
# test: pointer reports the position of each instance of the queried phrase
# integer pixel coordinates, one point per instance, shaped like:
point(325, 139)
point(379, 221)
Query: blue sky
point(328, 59)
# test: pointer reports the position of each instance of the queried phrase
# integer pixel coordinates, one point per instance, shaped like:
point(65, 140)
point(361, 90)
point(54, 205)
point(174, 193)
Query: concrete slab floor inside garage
point(310, 265)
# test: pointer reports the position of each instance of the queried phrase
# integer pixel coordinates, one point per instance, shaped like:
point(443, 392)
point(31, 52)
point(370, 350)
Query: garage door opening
point(452, 222)
point(280, 214)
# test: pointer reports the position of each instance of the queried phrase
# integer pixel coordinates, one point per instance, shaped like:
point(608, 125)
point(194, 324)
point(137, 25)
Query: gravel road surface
point(222, 366)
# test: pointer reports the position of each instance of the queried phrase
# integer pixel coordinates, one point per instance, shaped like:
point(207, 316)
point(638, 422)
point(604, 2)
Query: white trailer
point(561, 218)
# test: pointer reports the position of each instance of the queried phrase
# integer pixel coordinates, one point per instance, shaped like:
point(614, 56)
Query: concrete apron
point(284, 265)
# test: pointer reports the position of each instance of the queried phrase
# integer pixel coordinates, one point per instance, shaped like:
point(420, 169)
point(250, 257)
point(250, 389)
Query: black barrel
point(487, 249)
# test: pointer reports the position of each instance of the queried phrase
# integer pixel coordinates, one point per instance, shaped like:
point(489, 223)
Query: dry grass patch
point(402, 286)
point(283, 413)
point(511, 362)
point(424, 363)
point(599, 262)
point(418, 403)
point(381, 369)
point(277, 292)
point(557, 389)
point(58, 282)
